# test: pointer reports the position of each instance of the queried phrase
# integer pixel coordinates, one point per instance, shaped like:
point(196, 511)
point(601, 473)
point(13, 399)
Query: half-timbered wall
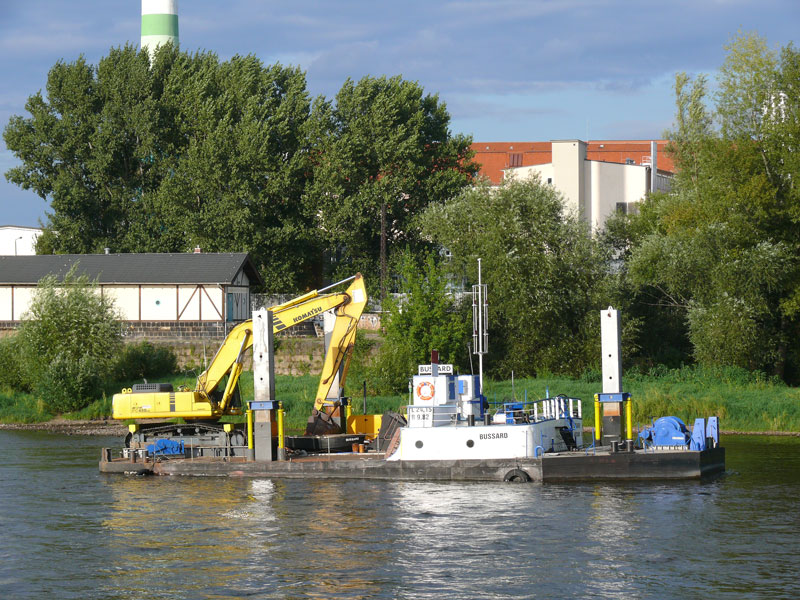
point(148, 303)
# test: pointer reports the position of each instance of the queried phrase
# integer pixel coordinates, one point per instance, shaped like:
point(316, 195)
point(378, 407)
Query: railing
point(546, 409)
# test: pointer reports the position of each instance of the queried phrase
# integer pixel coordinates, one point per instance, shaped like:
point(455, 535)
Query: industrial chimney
point(159, 23)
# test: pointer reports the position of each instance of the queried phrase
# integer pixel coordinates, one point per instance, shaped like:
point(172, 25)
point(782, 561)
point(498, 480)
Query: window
point(549, 180)
point(515, 159)
point(622, 207)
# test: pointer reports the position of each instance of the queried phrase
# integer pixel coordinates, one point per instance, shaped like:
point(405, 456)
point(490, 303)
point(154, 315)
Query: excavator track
point(199, 438)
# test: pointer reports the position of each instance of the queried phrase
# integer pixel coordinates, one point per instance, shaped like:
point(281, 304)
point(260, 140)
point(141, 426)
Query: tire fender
point(517, 476)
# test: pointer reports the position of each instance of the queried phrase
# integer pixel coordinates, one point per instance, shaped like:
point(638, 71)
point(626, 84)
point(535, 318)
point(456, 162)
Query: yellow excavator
point(216, 392)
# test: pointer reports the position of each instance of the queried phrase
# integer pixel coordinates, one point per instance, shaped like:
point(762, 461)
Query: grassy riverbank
point(744, 402)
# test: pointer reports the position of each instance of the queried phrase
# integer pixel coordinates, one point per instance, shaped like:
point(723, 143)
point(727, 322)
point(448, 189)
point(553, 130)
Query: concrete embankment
point(68, 427)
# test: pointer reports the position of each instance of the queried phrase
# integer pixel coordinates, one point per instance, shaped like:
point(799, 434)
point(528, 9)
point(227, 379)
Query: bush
point(66, 384)
point(142, 360)
point(12, 374)
point(68, 340)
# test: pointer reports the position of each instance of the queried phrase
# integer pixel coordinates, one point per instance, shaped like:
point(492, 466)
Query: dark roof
point(186, 268)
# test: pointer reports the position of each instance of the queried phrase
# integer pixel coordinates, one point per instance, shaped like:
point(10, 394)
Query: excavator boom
point(207, 402)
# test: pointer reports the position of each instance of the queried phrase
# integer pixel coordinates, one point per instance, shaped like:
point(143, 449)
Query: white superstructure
point(449, 420)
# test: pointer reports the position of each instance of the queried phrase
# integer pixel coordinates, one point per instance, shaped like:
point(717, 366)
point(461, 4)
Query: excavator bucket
point(327, 421)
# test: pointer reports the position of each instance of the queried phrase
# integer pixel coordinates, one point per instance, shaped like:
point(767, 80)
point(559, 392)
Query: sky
point(508, 70)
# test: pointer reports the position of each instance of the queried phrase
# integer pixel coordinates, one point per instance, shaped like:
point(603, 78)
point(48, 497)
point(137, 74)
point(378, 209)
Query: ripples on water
point(67, 531)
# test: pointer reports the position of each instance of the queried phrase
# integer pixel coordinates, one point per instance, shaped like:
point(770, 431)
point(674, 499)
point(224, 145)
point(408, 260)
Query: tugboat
point(449, 420)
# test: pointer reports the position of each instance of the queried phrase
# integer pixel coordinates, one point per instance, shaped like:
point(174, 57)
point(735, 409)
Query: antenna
point(480, 323)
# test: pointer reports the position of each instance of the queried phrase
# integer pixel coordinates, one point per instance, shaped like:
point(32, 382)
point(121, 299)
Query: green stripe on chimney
point(160, 25)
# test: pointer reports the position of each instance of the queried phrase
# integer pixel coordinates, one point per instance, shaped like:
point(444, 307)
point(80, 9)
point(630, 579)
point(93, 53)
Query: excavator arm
point(337, 360)
point(348, 307)
point(206, 402)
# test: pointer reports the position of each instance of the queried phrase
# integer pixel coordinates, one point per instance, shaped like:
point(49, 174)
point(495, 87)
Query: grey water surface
point(67, 531)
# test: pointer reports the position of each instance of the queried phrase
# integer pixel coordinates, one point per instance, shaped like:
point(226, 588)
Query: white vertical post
point(263, 384)
point(535, 412)
point(328, 323)
point(612, 351)
point(263, 357)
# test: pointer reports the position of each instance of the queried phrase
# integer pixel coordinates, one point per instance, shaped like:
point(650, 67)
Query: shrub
point(68, 384)
point(142, 360)
point(12, 374)
point(68, 340)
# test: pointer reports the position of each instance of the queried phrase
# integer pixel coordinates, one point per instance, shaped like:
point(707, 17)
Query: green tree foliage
point(189, 151)
point(142, 360)
point(655, 331)
point(383, 152)
point(545, 273)
point(426, 317)
point(68, 341)
point(723, 248)
point(12, 372)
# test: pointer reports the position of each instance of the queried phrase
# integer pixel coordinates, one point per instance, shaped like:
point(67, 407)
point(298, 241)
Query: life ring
point(428, 394)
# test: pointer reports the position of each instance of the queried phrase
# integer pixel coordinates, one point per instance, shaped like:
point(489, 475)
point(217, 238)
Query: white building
point(593, 189)
point(17, 240)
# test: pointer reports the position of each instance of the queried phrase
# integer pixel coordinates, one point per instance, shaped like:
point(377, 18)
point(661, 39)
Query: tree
point(425, 318)
point(189, 151)
point(68, 341)
point(545, 273)
point(724, 246)
point(382, 153)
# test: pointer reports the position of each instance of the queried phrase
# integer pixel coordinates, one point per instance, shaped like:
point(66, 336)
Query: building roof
point(39, 229)
point(153, 269)
point(495, 157)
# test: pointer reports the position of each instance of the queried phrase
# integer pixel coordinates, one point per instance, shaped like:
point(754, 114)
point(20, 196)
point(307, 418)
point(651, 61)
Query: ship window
point(418, 444)
point(470, 443)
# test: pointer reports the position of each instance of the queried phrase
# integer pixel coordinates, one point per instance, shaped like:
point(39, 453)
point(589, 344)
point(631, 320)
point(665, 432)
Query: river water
point(66, 531)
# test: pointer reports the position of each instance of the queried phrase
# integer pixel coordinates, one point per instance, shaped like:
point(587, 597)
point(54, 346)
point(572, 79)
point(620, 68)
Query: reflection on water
point(179, 527)
point(69, 532)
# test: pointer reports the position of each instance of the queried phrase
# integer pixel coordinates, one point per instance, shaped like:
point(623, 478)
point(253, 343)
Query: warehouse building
point(198, 295)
